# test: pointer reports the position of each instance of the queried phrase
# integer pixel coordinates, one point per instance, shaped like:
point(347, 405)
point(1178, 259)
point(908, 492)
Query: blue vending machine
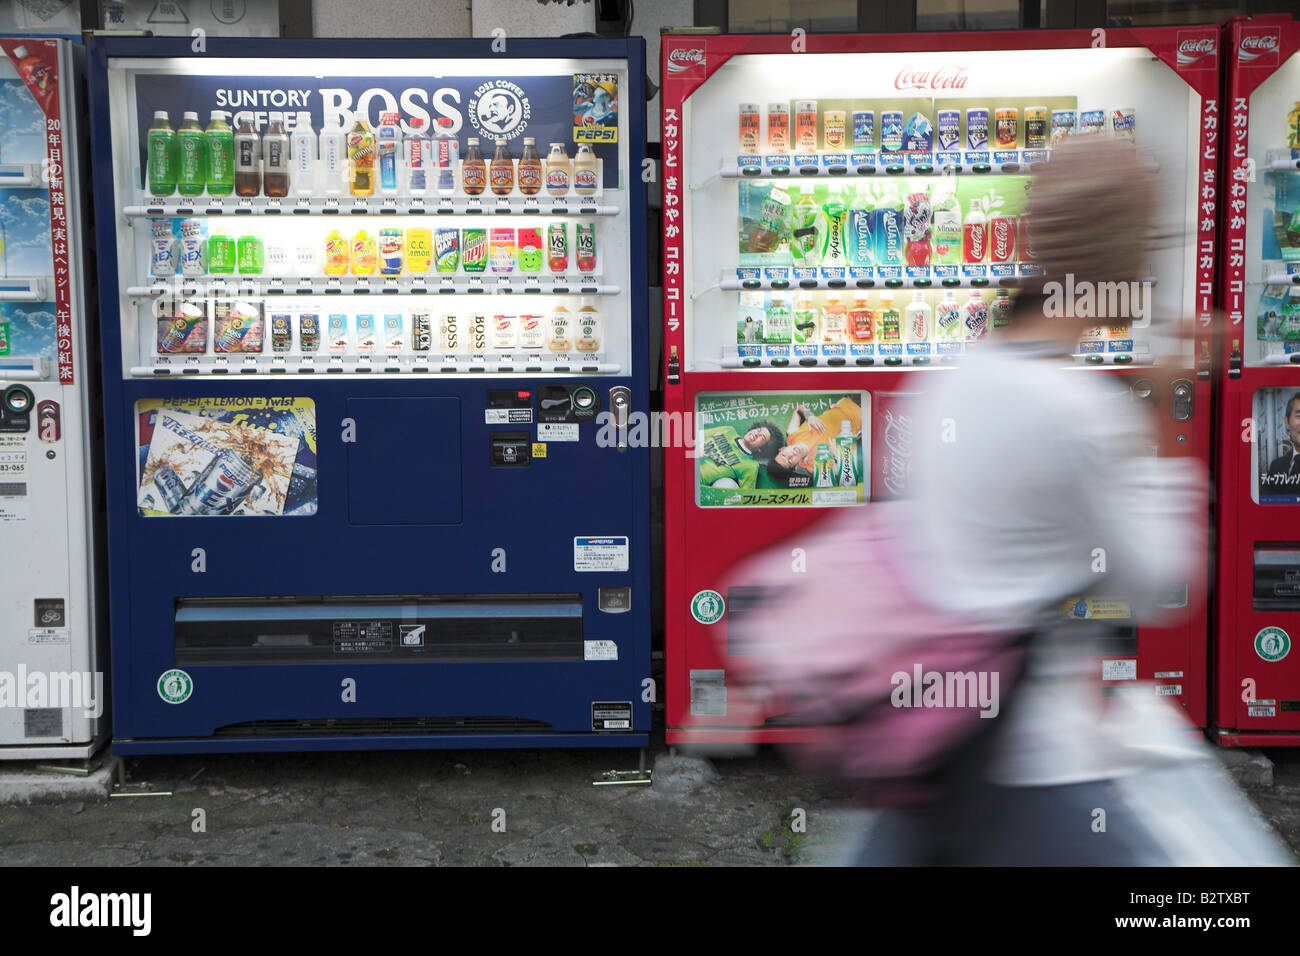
point(374, 334)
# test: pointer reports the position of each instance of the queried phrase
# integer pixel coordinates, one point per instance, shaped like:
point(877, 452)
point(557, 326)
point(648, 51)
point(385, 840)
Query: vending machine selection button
point(614, 600)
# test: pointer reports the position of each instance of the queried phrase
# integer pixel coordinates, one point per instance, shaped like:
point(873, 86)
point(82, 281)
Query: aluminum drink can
point(778, 127)
point(585, 240)
point(977, 128)
point(749, 129)
point(1091, 121)
point(194, 248)
point(503, 250)
point(1036, 127)
point(530, 250)
point(1063, 125)
point(391, 252)
point(1007, 128)
point(171, 488)
point(473, 250)
point(309, 332)
point(891, 130)
point(421, 331)
point(1002, 239)
point(281, 332)
point(557, 247)
point(864, 130)
point(947, 129)
point(162, 262)
point(805, 126)
point(446, 250)
point(1123, 124)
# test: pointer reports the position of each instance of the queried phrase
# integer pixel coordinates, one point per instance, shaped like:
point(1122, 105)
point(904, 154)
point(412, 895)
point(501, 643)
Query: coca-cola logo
point(1189, 51)
point(975, 242)
point(1001, 239)
point(944, 78)
point(897, 463)
point(1255, 46)
point(685, 58)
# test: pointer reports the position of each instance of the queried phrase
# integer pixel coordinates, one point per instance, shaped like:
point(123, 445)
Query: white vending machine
point(52, 684)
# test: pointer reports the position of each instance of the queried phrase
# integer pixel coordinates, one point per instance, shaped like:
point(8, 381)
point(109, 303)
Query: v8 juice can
point(502, 250)
point(446, 249)
point(557, 247)
point(474, 249)
point(585, 240)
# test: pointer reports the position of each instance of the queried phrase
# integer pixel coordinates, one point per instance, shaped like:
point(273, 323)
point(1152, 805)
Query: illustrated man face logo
point(499, 111)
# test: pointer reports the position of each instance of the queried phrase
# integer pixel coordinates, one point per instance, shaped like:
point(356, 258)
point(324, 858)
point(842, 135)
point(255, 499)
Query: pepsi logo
point(685, 58)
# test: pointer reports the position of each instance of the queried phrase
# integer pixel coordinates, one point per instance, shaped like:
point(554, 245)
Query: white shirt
point(1036, 483)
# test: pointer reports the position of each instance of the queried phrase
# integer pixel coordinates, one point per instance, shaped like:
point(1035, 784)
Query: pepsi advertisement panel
point(569, 109)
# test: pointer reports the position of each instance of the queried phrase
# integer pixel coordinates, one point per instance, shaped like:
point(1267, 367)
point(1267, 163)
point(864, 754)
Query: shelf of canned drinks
point(380, 285)
point(964, 281)
point(433, 364)
point(374, 205)
point(901, 358)
point(1005, 162)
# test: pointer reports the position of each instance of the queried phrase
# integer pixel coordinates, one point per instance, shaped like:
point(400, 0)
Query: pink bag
point(838, 636)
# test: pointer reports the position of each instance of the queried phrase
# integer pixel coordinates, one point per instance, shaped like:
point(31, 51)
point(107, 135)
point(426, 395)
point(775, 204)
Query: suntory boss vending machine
point(371, 328)
point(843, 220)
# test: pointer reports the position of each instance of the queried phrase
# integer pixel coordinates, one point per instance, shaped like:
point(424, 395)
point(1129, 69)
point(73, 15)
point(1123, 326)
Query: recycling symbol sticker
point(1272, 644)
point(707, 607)
point(175, 686)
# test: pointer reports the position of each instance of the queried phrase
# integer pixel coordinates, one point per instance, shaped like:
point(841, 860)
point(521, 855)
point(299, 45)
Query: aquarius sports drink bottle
point(162, 155)
point(889, 227)
point(860, 228)
point(220, 140)
point(192, 166)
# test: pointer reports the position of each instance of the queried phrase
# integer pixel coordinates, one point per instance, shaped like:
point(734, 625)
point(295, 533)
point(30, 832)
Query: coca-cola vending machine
point(842, 221)
point(1257, 676)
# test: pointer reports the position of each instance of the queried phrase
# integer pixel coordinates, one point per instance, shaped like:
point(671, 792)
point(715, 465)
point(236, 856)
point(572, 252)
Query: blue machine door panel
point(404, 461)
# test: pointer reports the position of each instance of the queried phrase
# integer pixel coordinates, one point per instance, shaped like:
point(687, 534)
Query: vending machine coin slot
point(1182, 403)
point(563, 403)
point(16, 408)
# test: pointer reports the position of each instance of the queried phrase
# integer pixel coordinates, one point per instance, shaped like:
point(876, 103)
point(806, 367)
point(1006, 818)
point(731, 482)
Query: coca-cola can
point(1025, 243)
point(1002, 239)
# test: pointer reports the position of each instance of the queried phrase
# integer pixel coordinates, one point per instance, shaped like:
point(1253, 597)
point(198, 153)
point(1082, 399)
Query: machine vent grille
point(383, 726)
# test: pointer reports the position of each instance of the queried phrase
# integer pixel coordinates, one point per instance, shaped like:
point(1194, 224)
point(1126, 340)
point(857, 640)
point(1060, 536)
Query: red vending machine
point(842, 219)
point(1257, 671)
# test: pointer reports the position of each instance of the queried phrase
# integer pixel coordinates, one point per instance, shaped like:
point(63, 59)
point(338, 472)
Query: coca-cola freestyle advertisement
point(780, 449)
point(550, 109)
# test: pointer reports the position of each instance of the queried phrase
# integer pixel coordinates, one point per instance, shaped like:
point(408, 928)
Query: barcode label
point(13, 489)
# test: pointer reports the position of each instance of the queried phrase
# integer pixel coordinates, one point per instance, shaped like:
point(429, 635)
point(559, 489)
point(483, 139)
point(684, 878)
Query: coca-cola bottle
point(974, 234)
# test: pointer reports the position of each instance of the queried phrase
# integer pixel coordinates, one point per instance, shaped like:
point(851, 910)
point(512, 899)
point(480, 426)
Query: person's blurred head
point(1090, 211)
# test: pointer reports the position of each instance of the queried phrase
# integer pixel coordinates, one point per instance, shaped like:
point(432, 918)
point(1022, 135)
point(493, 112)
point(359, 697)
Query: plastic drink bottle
point(860, 229)
point(918, 319)
point(501, 174)
point(917, 216)
point(220, 140)
point(194, 248)
point(530, 169)
point(448, 155)
point(417, 158)
point(830, 230)
point(974, 234)
point(364, 255)
point(390, 136)
point(333, 159)
point(223, 256)
point(584, 171)
point(975, 316)
point(558, 171)
point(275, 158)
point(772, 220)
point(302, 147)
point(947, 318)
point(1000, 311)
point(803, 227)
point(192, 167)
point(505, 332)
point(162, 260)
point(805, 320)
point(887, 324)
point(473, 171)
point(337, 254)
point(889, 227)
point(847, 477)
point(825, 465)
point(248, 160)
point(776, 324)
point(361, 159)
point(861, 320)
point(252, 255)
point(558, 338)
point(162, 155)
point(530, 250)
point(834, 321)
point(588, 339)
point(947, 225)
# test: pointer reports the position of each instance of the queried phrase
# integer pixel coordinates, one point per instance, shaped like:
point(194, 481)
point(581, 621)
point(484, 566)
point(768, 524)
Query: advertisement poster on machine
point(781, 449)
point(571, 108)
